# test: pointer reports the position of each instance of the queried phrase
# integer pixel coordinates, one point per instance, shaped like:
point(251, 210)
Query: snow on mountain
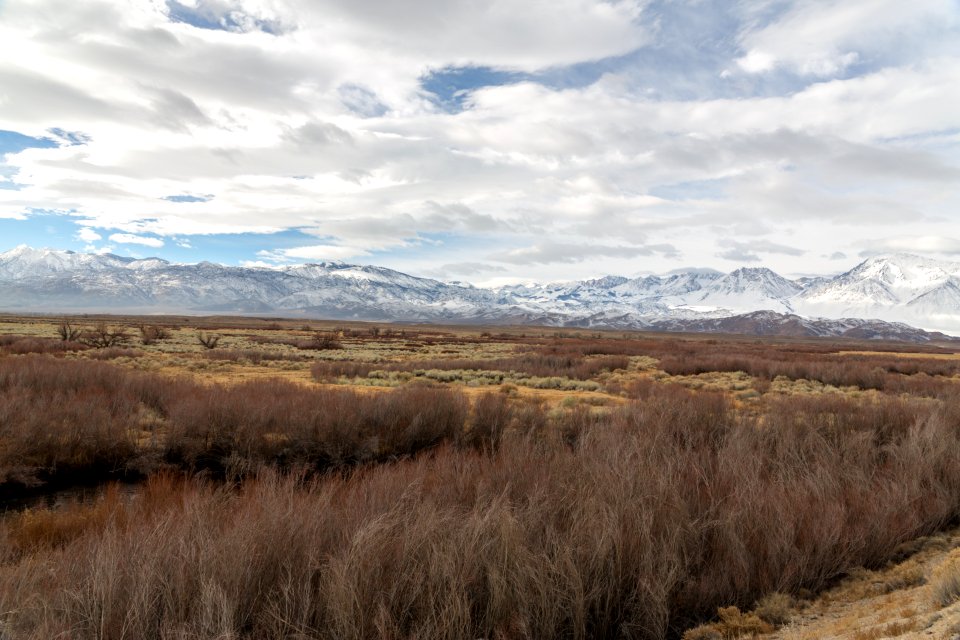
point(746, 289)
point(900, 288)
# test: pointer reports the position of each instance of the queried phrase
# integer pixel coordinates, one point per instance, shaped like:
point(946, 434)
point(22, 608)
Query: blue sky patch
point(70, 138)
point(451, 86)
point(57, 230)
point(188, 198)
point(213, 18)
point(13, 142)
point(40, 229)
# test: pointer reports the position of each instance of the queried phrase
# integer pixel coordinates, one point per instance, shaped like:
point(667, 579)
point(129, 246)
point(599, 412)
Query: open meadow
point(302, 479)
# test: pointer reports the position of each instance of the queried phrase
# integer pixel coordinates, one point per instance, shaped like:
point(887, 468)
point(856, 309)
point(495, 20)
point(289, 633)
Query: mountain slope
point(895, 288)
point(882, 282)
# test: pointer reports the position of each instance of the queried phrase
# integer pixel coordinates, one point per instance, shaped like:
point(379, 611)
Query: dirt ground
point(899, 601)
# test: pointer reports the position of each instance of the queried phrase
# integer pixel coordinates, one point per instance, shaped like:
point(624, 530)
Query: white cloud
point(87, 234)
point(826, 37)
point(324, 128)
point(258, 264)
point(314, 252)
point(129, 238)
point(98, 250)
point(913, 244)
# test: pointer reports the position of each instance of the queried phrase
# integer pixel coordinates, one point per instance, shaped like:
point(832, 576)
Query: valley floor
point(359, 481)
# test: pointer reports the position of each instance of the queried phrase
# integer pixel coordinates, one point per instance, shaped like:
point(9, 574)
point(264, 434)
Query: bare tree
point(68, 332)
point(101, 336)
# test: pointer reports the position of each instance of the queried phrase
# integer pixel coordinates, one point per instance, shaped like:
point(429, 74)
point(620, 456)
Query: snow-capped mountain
point(896, 288)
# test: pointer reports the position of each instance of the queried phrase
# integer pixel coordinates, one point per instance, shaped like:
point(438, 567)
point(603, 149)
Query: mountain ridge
point(900, 288)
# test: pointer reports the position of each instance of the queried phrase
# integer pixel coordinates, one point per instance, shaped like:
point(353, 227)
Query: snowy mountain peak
point(606, 282)
point(760, 277)
point(898, 287)
point(749, 289)
point(905, 270)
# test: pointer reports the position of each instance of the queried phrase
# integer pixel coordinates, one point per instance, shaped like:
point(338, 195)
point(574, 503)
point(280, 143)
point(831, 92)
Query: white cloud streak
point(128, 238)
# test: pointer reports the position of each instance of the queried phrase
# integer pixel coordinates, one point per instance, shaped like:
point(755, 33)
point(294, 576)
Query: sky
point(484, 141)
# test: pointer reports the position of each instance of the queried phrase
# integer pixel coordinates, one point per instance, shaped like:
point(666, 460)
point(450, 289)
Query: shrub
point(101, 336)
point(20, 345)
point(208, 341)
point(151, 334)
point(945, 581)
point(322, 342)
point(775, 609)
point(490, 418)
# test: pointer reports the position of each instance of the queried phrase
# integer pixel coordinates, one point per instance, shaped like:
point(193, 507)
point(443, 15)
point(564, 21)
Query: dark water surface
point(57, 498)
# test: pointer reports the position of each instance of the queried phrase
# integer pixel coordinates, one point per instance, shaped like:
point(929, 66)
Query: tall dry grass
point(70, 419)
point(635, 523)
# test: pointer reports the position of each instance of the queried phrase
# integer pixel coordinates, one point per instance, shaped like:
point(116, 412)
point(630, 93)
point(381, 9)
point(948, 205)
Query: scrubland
point(358, 481)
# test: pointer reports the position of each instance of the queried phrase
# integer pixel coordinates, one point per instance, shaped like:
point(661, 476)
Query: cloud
point(317, 252)
point(129, 238)
point(739, 255)
point(761, 246)
point(262, 264)
point(98, 250)
point(554, 252)
point(591, 136)
point(87, 234)
point(466, 269)
point(912, 244)
point(826, 37)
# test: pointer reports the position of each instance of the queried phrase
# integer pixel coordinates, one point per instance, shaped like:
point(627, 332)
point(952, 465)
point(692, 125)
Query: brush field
point(346, 480)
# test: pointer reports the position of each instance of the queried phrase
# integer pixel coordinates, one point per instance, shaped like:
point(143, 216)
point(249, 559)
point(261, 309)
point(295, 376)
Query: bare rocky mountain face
point(883, 297)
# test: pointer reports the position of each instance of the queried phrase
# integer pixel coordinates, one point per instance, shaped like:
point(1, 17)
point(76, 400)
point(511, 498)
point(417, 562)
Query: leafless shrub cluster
point(19, 345)
point(62, 418)
point(643, 522)
point(152, 333)
point(68, 332)
point(891, 373)
point(322, 341)
point(327, 370)
point(101, 336)
point(111, 353)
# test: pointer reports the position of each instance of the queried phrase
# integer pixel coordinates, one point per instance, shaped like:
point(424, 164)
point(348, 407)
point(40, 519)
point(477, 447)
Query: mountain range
point(881, 297)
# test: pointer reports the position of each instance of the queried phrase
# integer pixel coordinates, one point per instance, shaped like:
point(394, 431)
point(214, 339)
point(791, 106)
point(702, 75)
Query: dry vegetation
point(523, 485)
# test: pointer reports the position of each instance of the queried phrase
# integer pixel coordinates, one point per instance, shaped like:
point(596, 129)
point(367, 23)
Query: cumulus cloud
point(87, 234)
point(176, 119)
point(826, 37)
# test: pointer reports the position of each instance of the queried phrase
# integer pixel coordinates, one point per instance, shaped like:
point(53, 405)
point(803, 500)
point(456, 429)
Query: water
point(60, 497)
